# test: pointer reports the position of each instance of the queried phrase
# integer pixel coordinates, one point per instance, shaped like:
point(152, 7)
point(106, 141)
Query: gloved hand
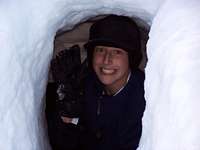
point(65, 64)
point(69, 73)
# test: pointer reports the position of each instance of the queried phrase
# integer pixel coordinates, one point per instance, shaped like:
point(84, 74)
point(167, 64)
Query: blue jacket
point(114, 122)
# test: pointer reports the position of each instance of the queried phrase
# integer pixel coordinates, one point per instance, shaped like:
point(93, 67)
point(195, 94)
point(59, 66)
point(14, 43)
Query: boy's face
point(111, 66)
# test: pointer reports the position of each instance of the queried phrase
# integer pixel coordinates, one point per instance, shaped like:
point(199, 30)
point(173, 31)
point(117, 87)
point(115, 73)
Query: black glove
point(70, 74)
point(65, 64)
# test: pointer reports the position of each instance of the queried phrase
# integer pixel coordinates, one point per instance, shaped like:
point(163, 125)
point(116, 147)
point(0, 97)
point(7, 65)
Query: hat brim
point(101, 42)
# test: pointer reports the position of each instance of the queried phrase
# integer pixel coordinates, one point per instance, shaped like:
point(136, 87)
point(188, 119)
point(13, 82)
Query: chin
point(106, 81)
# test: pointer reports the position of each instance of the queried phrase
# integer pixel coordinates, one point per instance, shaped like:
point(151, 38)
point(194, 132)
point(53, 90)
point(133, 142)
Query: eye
point(99, 49)
point(117, 52)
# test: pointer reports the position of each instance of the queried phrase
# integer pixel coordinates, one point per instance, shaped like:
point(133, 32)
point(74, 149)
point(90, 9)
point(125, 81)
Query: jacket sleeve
point(129, 136)
point(130, 124)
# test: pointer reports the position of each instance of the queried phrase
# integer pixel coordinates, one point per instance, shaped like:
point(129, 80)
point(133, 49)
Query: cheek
point(124, 62)
point(95, 62)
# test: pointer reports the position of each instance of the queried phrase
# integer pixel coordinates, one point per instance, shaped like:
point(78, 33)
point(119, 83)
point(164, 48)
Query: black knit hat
point(116, 31)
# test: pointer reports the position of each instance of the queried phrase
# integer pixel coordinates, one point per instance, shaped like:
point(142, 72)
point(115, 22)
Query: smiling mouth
point(107, 70)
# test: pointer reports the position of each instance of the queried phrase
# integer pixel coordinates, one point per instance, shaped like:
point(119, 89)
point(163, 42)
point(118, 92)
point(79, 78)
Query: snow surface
point(172, 83)
point(27, 31)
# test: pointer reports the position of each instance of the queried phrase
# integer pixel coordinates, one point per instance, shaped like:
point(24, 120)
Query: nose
point(107, 58)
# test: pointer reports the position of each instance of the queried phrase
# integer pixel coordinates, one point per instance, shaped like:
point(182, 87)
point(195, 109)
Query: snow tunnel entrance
point(61, 135)
point(27, 31)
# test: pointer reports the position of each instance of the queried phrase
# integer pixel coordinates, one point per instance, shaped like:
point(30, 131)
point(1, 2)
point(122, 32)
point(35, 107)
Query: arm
point(130, 126)
point(129, 136)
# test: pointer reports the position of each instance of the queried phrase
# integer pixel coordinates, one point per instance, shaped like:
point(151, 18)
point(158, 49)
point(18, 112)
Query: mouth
point(107, 70)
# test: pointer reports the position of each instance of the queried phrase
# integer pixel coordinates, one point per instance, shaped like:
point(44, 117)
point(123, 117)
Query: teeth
point(108, 71)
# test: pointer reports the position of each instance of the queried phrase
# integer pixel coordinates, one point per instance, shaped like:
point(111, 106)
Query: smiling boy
point(114, 95)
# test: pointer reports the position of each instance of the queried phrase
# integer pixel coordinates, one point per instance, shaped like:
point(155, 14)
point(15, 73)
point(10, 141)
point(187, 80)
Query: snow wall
point(172, 85)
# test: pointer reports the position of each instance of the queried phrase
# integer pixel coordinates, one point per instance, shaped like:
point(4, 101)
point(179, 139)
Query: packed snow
point(172, 85)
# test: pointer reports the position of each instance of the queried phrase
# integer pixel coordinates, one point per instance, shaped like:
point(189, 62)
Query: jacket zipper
point(98, 107)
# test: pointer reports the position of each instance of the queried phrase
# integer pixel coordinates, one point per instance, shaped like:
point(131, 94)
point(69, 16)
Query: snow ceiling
point(172, 85)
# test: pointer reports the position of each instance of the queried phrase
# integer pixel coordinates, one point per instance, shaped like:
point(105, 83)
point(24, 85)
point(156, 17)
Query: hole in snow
point(65, 39)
